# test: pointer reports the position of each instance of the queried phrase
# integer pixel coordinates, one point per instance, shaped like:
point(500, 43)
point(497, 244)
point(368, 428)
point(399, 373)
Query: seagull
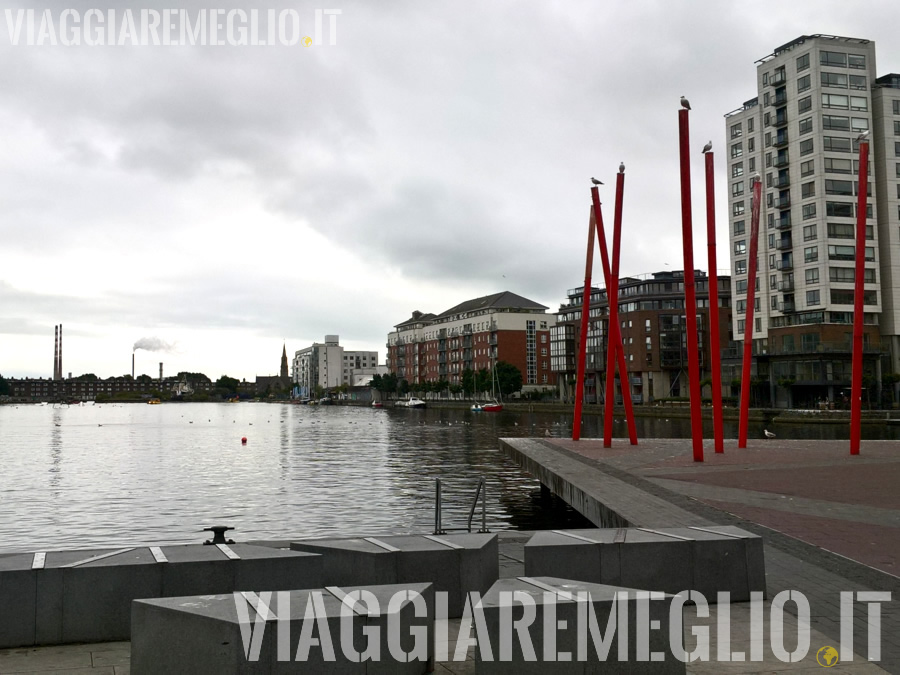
point(685, 103)
point(864, 136)
point(595, 181)
point(621, 167)
point(768, 434)
point(707, 147)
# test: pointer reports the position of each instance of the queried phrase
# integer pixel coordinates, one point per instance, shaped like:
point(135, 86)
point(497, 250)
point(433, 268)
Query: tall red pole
point(614, 335)
point(585, 319)
point(748, 317)
point(858, 292)
point(715, 357)
point(690, 299)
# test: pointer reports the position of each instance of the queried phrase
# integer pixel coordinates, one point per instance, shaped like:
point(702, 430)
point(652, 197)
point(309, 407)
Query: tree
point(87, 377)
point(4, 386)
point(468, 381)
point(228, 385)
point(192, 377)
point(509, 378)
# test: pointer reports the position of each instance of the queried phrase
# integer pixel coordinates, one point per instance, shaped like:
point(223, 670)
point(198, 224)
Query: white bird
point(685, 103)
point(768, 434)
point(621, 167)
point(595, 181)
point(707, 147)
point(864, 136)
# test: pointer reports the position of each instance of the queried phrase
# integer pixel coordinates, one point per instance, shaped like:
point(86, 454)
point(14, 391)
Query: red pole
point(585, 318)
point(715, 357)
point(748, 317)
point(614, 335)
point(690, 300)
point(858, 292)
point(620, 351)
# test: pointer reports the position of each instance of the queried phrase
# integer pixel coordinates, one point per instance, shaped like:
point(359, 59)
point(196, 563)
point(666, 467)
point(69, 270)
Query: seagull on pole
point(595, 181)
point(707, 147)
point(621, 167)
point(864, 136)
point(685, 103)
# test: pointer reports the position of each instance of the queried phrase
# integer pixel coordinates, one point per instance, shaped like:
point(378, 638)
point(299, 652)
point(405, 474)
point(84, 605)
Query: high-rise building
point(815, 96)
point(327, 365)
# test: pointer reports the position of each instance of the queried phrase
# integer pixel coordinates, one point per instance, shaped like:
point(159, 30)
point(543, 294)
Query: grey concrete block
point(266, 569)
point(351, 561)
point(196, 569)
point(571, 617)
point(203, 634)
point(18, 588)
point(654, 562)
point(572, 557)
point(754, 554)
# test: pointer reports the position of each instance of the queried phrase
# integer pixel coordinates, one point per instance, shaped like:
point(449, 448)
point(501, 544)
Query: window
point(736, 130)
point(841, 230)
point(737, 150)
point(758, 324)
point(896, 149)
point(838, 187)
point(841, 297)
point(772, 262)
point(808, 190)
point(809, 232)
point(838, 59)
point(841, 252)
point(836, 122)
point(740, 326)
point(809, 211)
point(859, 103)
point(808, 167)
point(803, 62)
point(737, 169)
point(806, 125)
point(859, 124)
point(838, 165)
point(841, 274)
point(740, 247)
point(837, 144)
point(812, 276)
point(896, 126)
point(647, 325)
point(740, 286)
point(835, 101)
point(840, 209)
point(811, 254)
point(751, 164)
point(896, 106)
point(773, 281)
point(739, 227)
point(740, 267)
point(858, 82)
point(737, 189)
point(838, 80)
point(806, 147)
point(751, 144)
point(812, 298)
point(749, 124)
point(737, 209)
point(803, 84)
point(856, 60)
point(804, 104)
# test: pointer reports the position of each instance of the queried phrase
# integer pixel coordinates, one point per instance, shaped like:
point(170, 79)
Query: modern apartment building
point(474, 335)
point(328, 365)
point(815, 96)
point(654, 336)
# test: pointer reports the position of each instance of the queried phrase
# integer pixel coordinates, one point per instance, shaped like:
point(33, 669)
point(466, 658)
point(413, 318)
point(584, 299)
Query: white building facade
point(327, 365)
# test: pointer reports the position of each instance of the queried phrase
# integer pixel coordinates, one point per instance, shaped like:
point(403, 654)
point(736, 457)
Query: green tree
point(87, 377)
point(468, 381)
point(192, 377)
point(4, 386)
point(509, 378)
point(228, 385)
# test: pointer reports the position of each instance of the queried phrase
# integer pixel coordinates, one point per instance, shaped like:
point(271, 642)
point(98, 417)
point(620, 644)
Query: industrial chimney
point(55, 352)
point(59, 363)
point(160, 372)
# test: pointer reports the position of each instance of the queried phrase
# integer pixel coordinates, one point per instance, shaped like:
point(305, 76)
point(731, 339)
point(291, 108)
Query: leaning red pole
point(748, 317)
point(858, 292)
point(690, 300)
point(715, 357)
point(614, 336)
point(585, 318)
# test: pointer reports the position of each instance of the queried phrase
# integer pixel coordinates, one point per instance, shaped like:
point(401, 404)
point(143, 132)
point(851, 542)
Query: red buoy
point(244, 440)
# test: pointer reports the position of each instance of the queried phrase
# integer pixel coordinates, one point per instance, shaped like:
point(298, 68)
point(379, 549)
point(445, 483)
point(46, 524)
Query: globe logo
point(307, 41)
point(827, 656)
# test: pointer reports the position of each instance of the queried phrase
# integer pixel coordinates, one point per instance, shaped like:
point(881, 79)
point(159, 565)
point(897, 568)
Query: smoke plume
point(153, 344)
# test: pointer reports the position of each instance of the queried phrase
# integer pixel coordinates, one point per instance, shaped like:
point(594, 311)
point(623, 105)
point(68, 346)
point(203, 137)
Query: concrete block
point(203, 634)
point(18, 589)
point(261, 568)
point(572, 554)
point(530, 648)
point(195, 569)
point(353, 561)
point(654, 562)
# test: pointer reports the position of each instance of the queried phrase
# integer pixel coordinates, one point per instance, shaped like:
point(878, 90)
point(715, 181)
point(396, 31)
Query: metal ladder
point(481, 491)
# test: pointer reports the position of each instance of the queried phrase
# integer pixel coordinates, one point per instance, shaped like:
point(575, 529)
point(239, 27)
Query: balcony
point(778, 77)
point(783, 223)
point(786, 286)
point(783, 202)
point(780, 140)
point(780, 99)
point(781, 160)
point(781, 118)
point(784, 244)
point(785, 265)
point(786, 307)
point(783, 180)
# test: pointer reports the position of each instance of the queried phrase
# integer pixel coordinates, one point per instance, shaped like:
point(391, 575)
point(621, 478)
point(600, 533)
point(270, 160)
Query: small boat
point(415, 403)
point(325, 401)
point(153, 401)
point(492, 406)
point(476, 407)
point(377, 404)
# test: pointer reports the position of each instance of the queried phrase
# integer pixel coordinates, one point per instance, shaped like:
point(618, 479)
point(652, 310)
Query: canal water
point(113, 475)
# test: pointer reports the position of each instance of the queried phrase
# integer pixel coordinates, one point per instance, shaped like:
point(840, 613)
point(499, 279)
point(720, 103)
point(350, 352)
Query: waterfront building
point(654, 337)
point(474, 335)
point(89, 387)
point(328, 366)
point(272, 384)
point(815, 96)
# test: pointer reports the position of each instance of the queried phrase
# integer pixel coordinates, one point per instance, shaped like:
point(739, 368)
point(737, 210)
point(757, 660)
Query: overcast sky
point(228, 199)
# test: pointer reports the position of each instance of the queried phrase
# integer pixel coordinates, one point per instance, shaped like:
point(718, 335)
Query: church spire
point(284, 364)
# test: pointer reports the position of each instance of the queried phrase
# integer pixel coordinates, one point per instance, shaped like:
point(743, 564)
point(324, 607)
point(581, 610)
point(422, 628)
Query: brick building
point(474, 335)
